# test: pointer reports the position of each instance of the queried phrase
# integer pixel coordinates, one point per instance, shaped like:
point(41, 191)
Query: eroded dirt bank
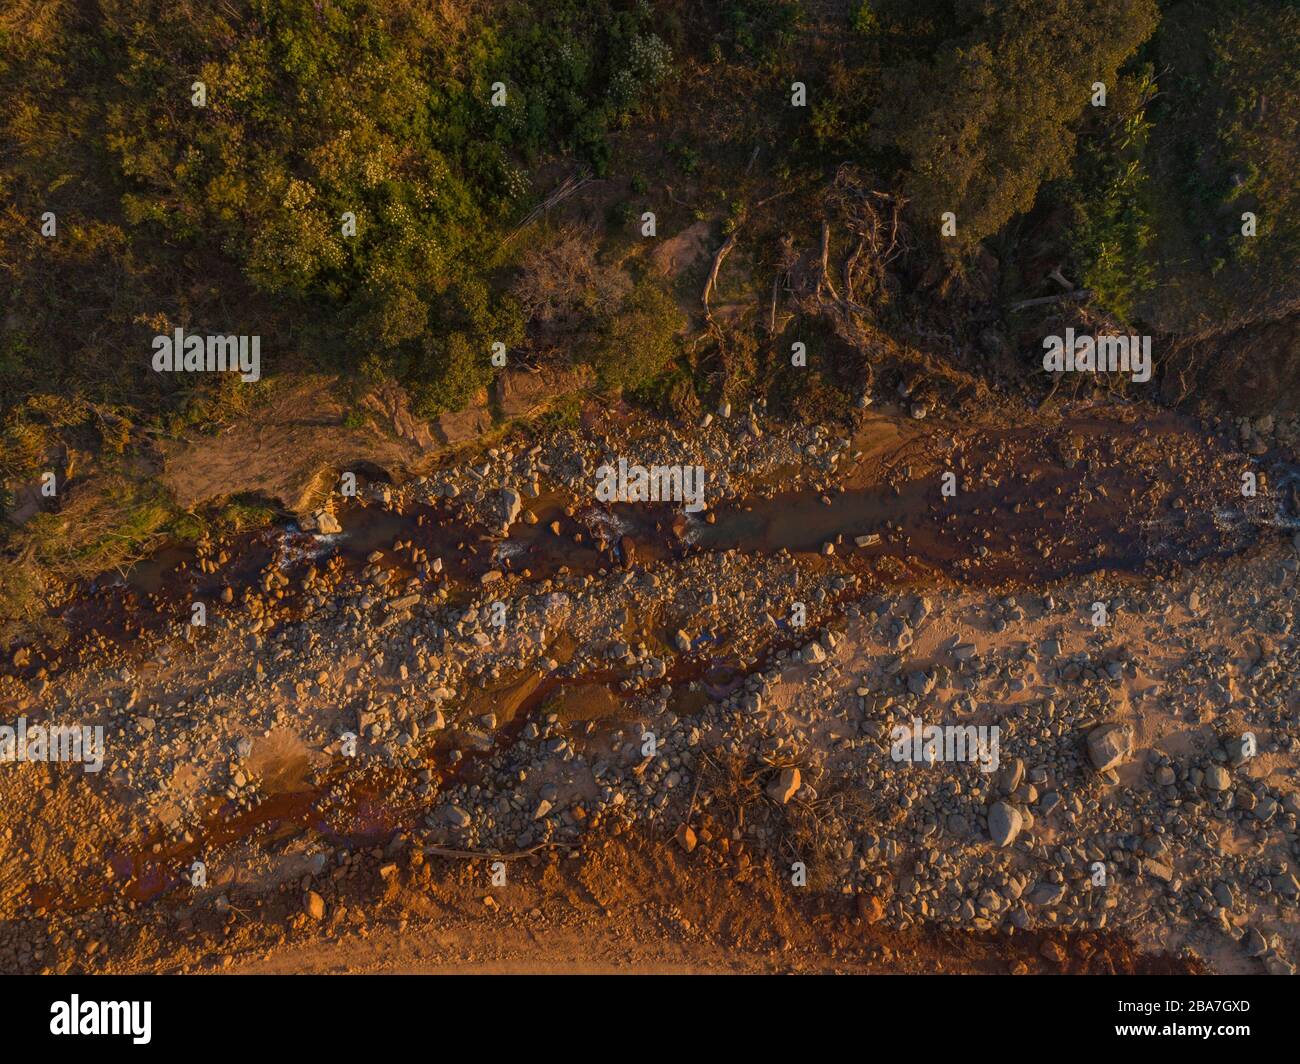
point(528, 675)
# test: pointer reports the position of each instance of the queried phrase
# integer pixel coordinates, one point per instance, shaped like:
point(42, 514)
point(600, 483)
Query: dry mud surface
point(494, 725)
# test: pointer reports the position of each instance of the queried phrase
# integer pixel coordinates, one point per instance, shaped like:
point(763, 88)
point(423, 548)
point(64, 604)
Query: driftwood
point(712, 282)
point(443, 851)
point(826, 269)
point(1077, 294)
point(1060, 278)
point(874, 218)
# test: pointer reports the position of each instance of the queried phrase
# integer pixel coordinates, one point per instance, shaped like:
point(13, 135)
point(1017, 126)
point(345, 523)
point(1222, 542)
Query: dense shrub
point(378, 109)
point(986, 117)
point(639, 341)
point(1225, 141)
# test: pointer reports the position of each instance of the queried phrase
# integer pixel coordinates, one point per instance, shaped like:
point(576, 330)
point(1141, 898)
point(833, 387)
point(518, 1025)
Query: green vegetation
point(759, 29)
point(988, 117)
point(1110, 189)
point(380, 111)
point(864, 17)
point(230, 217)
point(639, 341)
point(1224, 143)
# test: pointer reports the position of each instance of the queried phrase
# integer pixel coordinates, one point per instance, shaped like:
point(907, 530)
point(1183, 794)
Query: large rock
point(1157, 870)
point(1044, 893)
point(511, 503)
point(1217, 778)
point(291, 450)
point(920, 683)
point(390, 405)
point(1005, 823)
point(327, 524)
point(1012, 775)
point(784, 786)
point(1110, 745)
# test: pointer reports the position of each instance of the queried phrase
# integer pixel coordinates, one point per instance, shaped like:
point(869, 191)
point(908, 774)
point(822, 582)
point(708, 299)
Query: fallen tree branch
point(442, 851)
point(563, 191)
point(826, 251)
point(1077, 294)
point(711, 283)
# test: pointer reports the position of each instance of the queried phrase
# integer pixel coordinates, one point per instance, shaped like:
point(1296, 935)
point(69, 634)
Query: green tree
point(987, 118)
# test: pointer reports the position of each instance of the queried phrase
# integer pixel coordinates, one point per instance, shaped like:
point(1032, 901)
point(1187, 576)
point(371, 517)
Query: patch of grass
point(671, 393)
point(107, 524)
point(565, 412)
point(241, 513)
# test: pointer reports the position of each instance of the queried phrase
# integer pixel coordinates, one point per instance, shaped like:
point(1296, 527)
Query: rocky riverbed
point(481, 678)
